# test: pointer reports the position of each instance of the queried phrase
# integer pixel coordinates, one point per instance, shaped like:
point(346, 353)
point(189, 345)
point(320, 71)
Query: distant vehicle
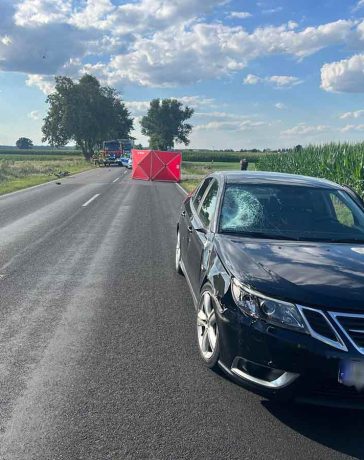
point(114, 151)
point(125, 161)
point(275, 266)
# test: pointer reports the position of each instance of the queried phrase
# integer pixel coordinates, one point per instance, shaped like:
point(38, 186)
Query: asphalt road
point(97, 340)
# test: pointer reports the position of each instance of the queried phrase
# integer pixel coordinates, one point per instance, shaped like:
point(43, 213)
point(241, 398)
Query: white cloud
point(359, 5)
point(346, 75)
point(141, 107)
point(34, 115)
point(221, 115)
point(302, 129)
point(272, 10)
point(252, 79)
point(245, 125)
point(284, 81)
point(280, 106)
point(278, 81)
point(43, 49)
point(138, 107)
point(196, 101)
point(44, 83)
point(35, 12)
point(142, 16)
point(355, 114)
point(239, 15)
point(148, 42)
point(96, 13)
point(187, 53)
point(6, 40)
point(351, 128)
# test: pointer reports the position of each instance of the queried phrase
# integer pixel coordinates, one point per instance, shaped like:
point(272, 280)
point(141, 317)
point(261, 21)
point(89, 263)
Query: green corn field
point(220, 156)
point(341, 163)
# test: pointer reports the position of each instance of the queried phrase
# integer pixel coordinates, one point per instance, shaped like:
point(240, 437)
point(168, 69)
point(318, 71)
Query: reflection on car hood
point(317, 274)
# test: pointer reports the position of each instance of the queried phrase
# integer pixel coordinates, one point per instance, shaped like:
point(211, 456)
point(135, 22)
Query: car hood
point(326, 275)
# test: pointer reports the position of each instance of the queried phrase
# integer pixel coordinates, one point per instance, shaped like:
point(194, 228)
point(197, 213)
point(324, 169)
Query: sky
point(259, 74)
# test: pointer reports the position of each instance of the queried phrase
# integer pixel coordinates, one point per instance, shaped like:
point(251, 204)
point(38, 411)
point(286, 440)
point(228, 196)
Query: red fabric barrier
point(156, 165)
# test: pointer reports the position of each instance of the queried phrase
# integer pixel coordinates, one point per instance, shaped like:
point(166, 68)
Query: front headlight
point(272, 311)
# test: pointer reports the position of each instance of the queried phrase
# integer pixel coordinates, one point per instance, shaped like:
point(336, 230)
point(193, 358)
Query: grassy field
point(39, 151)
point(341, 163)
point(21, 171)
point(193, 172)
point(38, 157)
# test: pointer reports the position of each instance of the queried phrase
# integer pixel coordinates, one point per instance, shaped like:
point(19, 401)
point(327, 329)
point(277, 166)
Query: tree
point(298, 148)
point(86, 113)
point(24, 143)
point(165, 123)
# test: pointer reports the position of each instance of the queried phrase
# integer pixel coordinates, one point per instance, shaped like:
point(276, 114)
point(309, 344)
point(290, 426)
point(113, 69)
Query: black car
point(275, 265)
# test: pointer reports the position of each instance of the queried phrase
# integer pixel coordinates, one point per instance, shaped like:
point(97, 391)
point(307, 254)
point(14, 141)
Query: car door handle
point(190, 228)
point(183, 213)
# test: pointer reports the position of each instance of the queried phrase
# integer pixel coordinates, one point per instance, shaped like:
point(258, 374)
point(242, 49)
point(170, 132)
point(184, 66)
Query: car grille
point(353, 327)
point(321, 328)
point(319, 324)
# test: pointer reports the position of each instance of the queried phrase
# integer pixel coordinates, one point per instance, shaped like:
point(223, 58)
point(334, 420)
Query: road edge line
point(182, 189)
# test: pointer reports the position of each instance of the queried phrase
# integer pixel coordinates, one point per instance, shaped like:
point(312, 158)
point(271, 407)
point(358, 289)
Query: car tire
point(208, 336)
point(178, 255)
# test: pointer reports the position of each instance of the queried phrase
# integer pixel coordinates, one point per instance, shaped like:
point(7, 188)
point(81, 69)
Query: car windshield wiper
point(268, 236)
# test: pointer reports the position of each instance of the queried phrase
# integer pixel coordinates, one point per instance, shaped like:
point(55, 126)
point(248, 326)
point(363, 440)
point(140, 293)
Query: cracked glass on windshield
point(291, 212)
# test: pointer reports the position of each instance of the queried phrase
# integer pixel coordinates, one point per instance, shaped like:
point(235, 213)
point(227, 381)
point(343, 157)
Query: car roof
point(264, 177)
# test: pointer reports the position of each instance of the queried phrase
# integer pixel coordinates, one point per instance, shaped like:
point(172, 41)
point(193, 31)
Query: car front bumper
point(278, 362)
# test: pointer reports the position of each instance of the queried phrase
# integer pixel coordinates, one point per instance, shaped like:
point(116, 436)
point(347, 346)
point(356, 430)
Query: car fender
point(215, 273)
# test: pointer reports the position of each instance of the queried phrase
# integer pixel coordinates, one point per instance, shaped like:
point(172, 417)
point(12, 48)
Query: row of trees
point(88, 114)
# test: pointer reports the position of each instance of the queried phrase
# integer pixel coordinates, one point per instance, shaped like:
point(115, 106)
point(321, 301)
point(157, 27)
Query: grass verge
point(193, 172)
point(189, 184)
point(19, 174)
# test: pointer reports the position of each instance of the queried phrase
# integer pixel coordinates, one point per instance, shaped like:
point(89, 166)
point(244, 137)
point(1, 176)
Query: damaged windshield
point(292, 213)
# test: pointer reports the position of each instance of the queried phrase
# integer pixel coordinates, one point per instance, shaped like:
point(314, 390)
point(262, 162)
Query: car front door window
point(196, 200)
point(208, 206)
point(343, 213)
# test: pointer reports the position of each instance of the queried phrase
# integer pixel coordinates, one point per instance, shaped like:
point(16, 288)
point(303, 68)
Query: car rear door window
point(208, 206)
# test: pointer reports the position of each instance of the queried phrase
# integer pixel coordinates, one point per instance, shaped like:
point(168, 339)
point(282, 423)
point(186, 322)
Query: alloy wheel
point(207, 331)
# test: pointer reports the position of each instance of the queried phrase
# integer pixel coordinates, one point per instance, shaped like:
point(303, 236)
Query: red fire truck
point(116, 152)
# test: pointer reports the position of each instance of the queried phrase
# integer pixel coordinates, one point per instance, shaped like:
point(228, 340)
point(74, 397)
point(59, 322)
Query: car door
point(190, 203)
point(200, 235)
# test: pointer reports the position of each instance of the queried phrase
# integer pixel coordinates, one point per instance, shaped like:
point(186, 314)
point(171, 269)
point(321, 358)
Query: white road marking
point(183, 190)
point(115, 180)
point(90, 200)
point(125, 171)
